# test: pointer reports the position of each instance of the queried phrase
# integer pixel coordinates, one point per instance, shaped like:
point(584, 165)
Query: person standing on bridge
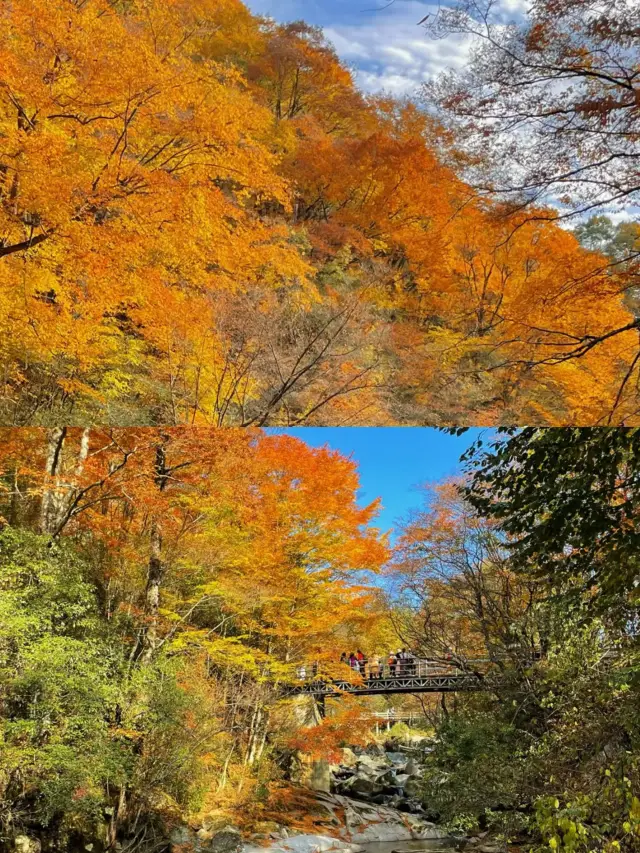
point(393, 663)
point(343, 659)
point(362, 662)
point(409, 663)
point(374, 667)
point(353, 662)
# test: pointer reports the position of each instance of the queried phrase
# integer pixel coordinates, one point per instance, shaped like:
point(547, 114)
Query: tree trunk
point(155, 575)
point(58, 496)
point(117, 818)
point(51, 505)
point(443, 705)
point(156, 568)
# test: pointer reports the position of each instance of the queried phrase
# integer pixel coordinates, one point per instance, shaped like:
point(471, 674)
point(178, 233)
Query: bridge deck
point(387, 684)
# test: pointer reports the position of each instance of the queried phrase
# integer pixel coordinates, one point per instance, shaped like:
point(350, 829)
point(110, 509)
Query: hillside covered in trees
point(160, 591)
point(532, 564)
point(157, 593)
point(203, 221)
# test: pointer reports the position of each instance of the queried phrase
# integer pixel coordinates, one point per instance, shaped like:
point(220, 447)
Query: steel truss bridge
point(418, 677)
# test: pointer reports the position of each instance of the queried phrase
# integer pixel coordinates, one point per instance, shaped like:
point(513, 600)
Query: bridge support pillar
point(322, 708)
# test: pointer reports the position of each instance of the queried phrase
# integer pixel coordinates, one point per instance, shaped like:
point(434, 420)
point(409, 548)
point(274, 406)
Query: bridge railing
point(370, 671)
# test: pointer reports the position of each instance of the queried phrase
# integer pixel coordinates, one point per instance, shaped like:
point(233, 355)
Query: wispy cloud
point(387, 49)
point(392, 53)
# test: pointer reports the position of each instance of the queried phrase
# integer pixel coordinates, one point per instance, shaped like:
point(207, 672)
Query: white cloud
point(399, 53)
point(618, 216)
point(387, 48)
point(390, 51)
point(345, 47)
point(517, 7)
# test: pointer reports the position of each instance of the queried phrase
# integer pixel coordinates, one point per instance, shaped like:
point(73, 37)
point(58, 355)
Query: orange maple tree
point(203, 221)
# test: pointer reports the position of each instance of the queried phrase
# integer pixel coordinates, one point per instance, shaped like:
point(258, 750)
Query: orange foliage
point(164, 161)
point(345, 727)
point(265, 530)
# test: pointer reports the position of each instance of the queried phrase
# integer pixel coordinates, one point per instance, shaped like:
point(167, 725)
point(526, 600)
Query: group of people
point(402, 662)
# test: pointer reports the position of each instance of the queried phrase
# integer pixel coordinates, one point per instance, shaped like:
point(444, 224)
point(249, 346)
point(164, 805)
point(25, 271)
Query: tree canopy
point(158, 592)
point(203, 221)
point(568, 501)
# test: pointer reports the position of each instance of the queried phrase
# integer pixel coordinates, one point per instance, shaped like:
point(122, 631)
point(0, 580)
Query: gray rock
point(361, 785)
point(181, 835)
point(226, 839)
point(315, 774)
point(411, 767)
point(311, 844)
point(348, 761)
point(387, 777)
point(370, 762)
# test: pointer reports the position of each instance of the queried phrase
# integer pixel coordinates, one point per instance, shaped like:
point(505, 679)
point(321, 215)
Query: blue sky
point(382, 43)
point(394, 461)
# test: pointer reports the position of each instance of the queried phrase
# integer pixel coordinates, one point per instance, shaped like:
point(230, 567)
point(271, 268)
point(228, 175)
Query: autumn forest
point(319, 426)
point(164, 594)
point(204, 221)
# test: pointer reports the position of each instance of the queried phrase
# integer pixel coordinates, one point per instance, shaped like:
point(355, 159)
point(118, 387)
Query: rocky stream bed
point(368, 802)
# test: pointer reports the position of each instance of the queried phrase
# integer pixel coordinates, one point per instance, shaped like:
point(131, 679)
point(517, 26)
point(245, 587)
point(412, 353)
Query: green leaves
point(567, 500)
point(58, 681)
point(80, 726)
point(606, 818)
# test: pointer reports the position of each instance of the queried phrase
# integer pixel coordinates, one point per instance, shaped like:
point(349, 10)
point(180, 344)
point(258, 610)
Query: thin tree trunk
point(156, 567)
point(50, 507)
point(58, 496)
point(13, 512)
point(155, 575)
point(117, 818)
point(443, 705)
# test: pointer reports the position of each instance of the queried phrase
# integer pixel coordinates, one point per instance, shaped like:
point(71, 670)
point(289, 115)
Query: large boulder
point(365, 823)
point(363, 786)
point(315, 774)
point(387, 777)
point(311, 844)
point(368, 763)
point(348, 760)
point(225, 840)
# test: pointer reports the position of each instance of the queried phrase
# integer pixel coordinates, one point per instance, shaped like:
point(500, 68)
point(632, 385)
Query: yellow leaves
point(153, 189)
point(129, 734)
point(177, 155)
point(230, 653)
